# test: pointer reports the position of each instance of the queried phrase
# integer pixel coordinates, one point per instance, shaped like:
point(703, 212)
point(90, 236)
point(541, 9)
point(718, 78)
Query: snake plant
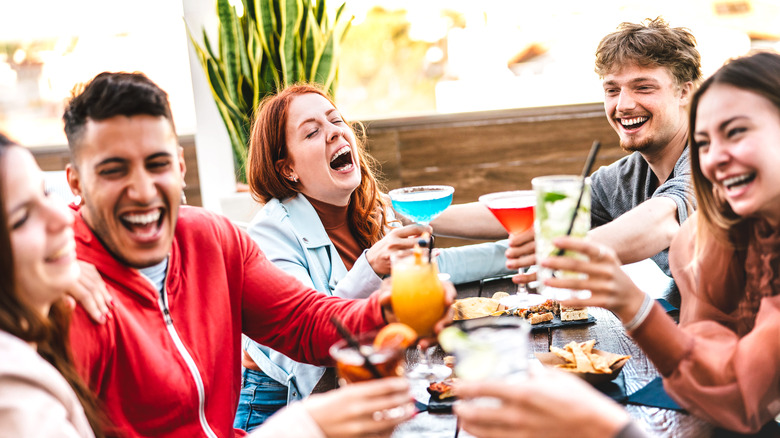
point(272, 44)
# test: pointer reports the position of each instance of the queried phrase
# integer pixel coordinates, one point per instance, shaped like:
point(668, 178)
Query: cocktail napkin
point(666, 305)
point(614, 389)
point(653, 394)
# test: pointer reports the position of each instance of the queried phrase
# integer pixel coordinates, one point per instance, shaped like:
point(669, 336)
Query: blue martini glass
point(422, 204)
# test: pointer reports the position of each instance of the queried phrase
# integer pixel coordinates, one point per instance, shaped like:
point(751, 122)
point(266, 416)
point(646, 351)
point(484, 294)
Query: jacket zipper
point(163, 302)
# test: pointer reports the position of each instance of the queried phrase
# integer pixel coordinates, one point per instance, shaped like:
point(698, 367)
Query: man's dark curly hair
point(109, 95)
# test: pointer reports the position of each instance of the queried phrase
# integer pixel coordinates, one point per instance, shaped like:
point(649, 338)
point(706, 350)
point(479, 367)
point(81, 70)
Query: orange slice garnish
point(394, 335)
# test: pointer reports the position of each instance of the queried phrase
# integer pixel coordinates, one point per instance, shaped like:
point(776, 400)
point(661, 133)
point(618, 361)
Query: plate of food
point(442, 396)
point(580, 358)
point(548, 314)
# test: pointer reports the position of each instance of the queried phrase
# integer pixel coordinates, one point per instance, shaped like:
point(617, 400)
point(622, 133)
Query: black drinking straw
point(422, 243)
point(352, 342)
point(594, 150)
point(430, 249)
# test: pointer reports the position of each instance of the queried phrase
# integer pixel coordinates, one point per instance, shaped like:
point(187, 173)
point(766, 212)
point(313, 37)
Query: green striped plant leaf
point(273, 44)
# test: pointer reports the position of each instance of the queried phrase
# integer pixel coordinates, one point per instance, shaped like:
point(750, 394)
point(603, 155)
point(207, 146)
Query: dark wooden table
point(610, 336)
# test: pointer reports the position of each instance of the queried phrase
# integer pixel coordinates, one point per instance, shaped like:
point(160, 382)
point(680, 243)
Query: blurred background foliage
point(385, 72)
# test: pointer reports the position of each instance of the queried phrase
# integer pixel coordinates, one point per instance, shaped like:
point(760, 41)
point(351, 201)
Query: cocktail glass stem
point(522, 288)
point(426, 369)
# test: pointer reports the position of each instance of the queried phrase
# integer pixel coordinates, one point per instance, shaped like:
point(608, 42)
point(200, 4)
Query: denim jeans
point(261, 397)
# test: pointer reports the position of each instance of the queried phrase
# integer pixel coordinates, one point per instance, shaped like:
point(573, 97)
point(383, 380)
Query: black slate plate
point(555, 323)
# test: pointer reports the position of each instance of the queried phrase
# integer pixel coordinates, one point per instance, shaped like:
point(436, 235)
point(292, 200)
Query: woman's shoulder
point(31, 387)
point(273, 213)
point(17, 354)
point(21, 363)
point(277, 218)
point(277, 209)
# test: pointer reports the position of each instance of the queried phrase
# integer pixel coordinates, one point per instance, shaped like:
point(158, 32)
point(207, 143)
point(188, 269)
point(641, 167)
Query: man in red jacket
point(186, 282)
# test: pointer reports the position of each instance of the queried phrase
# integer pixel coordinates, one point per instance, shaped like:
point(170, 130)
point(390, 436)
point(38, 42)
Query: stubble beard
point(643, 145)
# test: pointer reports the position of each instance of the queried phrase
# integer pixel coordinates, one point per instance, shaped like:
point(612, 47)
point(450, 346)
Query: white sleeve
point(291, 422)
point(360, 282)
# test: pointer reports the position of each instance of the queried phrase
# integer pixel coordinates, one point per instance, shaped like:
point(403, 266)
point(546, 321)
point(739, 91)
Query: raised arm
point(642, 231)
point(276, 237)
point(468, 221)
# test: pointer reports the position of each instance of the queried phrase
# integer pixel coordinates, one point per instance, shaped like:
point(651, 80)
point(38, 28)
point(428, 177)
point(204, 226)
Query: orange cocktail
point(350, 364)
point(417, 293)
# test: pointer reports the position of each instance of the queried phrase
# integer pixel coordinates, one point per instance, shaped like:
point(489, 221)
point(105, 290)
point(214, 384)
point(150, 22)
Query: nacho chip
point(616, 358)
point(600, 364)
point(566, 366)
point(581, 359)
point(587, 346)
point(563, 354)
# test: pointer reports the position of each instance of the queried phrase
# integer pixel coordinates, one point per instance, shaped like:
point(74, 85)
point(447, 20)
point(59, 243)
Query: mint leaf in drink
point(550, 197)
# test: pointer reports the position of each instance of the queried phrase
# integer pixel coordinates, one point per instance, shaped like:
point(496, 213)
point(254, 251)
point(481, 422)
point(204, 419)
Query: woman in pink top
point(40, 391)
point(722, 362)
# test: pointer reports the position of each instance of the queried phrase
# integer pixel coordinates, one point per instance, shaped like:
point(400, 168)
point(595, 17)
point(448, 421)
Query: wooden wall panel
point(490, 151)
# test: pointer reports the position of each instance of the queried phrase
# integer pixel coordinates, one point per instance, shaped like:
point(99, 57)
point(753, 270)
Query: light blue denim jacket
point(291, 235)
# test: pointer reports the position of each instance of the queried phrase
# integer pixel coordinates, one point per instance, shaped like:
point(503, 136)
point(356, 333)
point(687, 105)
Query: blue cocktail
point(422, 203)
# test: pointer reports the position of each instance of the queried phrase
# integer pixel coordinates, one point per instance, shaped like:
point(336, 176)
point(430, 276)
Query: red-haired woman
point(327, 222)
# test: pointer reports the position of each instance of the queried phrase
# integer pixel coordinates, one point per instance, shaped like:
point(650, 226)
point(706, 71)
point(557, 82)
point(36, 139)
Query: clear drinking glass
point(556, 198)
point(495, 349)
point(421, 203)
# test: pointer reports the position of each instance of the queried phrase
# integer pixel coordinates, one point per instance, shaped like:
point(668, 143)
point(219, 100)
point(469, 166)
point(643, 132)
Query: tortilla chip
point(617, 358)
point(600, 364)
point(567, 366)
point(563, 354)
point(587, 346)
point(581, 359)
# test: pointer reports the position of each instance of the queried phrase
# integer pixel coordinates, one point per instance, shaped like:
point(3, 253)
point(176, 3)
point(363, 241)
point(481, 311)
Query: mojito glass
point(489, 349)
point(556, 198)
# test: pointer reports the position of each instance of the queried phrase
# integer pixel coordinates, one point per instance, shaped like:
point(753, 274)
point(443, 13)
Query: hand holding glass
point(350, 363)
point(489, 349)
point(515, 211)
point(556, 198)
point(418, 299)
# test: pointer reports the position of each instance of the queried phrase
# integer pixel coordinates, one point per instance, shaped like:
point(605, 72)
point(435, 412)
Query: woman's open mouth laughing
point(342, 161)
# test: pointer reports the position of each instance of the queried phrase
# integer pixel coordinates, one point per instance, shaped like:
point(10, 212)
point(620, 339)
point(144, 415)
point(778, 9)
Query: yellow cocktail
point(417, 293)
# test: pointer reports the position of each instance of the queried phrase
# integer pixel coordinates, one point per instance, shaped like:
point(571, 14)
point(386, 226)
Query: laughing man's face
point(129, 172)
point(645, 106)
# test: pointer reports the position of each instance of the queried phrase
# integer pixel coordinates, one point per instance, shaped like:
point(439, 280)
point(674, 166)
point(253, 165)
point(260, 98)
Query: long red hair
point(268, 145)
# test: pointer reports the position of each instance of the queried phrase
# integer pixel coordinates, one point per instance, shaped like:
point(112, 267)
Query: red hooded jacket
point(172, 369)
